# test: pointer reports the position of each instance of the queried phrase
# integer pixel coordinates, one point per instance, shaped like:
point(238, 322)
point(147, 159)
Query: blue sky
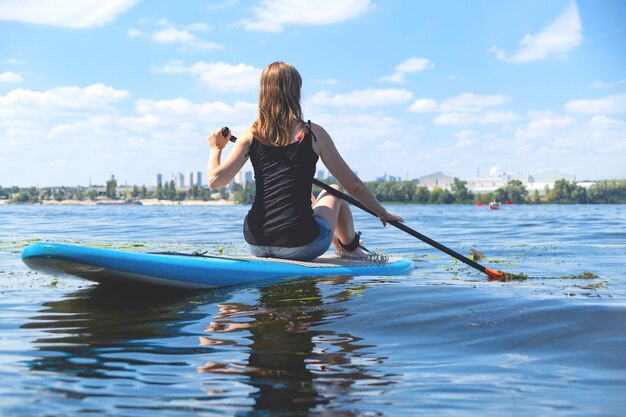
point(407, 88)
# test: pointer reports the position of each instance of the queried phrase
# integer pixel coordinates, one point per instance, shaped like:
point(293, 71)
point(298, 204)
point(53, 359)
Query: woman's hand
point(217, 140)
point(389, 217)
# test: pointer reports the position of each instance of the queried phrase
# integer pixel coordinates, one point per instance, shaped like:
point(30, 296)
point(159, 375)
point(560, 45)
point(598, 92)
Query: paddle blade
point(494, 274)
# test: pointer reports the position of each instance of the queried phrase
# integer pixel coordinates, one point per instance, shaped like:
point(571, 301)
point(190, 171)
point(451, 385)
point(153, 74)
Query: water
point(441, 341)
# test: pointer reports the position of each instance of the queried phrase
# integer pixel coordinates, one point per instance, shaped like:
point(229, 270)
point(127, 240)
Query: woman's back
point(281, 214)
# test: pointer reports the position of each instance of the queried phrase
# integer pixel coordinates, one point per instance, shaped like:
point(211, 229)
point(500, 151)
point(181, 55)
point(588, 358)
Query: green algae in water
point(288, 300)
point(513, 277)
point(592, 286)
point(503, 262)
point(583, 275)
point(476, 255)
point(358, 290)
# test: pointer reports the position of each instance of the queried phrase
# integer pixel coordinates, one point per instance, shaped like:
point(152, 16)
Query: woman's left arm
point(220, 174)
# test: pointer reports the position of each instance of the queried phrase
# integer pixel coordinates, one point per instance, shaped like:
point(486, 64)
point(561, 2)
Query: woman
point(284, 150)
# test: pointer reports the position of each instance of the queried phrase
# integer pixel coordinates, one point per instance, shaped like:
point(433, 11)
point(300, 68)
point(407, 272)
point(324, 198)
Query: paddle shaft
point(402, 227)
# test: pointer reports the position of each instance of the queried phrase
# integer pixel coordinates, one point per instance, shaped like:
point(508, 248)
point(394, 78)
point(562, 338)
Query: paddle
point(488, 271)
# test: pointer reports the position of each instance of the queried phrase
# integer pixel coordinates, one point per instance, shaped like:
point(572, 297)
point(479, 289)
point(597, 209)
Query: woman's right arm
point(219, 173)
point(338, 167)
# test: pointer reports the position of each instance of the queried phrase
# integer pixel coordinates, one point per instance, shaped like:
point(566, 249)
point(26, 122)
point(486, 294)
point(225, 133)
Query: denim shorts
point(307, 252)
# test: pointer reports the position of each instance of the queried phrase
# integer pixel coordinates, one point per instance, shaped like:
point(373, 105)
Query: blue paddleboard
point(192, 272)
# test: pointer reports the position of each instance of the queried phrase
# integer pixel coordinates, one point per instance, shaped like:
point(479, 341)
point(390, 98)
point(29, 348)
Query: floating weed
point(432, 256)
point(98, 245)
point(130, 246)
point(502, 262)
point(287, 300)
point(476, 255)
point(584, 275)
point(358, 290)
point(592, 286)
point(513, 277)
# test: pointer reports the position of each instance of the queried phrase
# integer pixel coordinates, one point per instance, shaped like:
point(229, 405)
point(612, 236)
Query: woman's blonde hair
point(279, 104)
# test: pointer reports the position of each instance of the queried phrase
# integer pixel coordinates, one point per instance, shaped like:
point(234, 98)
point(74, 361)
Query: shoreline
point(145, 202)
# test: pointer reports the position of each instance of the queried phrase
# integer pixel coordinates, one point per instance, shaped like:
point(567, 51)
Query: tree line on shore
point(562, 192)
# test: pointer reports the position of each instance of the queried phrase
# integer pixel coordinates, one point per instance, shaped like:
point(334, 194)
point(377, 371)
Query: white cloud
point(592, 148)
point(466, 137)
point(603, 122)
point(182, 109)
point(544, 124)
point(471, 103)
point(171, 35)
point(273, 15)
point(10, 77)
point(134, 33)
point(90, 129)
point(609, 136)
point(369, 97)
point(465, 109)
point(198, 27)
point(225, 4)
point(219, 76)
point(10, 61)
point(462, 119)
point(358, 135)
point(95, 96)
point(183, 35)
point(608, 104)
point(411, 65)
point(424, 105)
point(601, 84)
point(560, 36)
point(65, 13)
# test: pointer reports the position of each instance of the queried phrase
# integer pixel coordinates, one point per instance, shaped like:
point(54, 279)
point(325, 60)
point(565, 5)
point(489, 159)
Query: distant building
point(199, 178)
point(486, 184)
point(179, 180)
point(158, 180)
point(546, 179)
point(553, 176)
point(239, 178)
point(191, 180)
point(249, 177)
point(436, 180)
point(389, 178)
point(320, 174)
point(532, 183)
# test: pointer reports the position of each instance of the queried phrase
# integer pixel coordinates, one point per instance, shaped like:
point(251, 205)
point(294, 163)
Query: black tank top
point(281, 214)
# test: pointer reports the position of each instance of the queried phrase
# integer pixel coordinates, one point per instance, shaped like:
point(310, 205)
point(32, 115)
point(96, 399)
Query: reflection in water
point(294, 365)
point(107, 349)
point(267, 354)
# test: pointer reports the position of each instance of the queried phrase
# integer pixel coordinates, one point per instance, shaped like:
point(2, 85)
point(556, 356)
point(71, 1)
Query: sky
point(90, 89)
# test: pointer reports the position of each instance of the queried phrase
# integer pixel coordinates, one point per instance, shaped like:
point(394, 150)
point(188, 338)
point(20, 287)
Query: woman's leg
point(337, 214)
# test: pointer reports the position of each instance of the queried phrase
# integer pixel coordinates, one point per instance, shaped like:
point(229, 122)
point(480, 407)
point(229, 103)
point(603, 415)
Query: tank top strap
point(310, 131)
